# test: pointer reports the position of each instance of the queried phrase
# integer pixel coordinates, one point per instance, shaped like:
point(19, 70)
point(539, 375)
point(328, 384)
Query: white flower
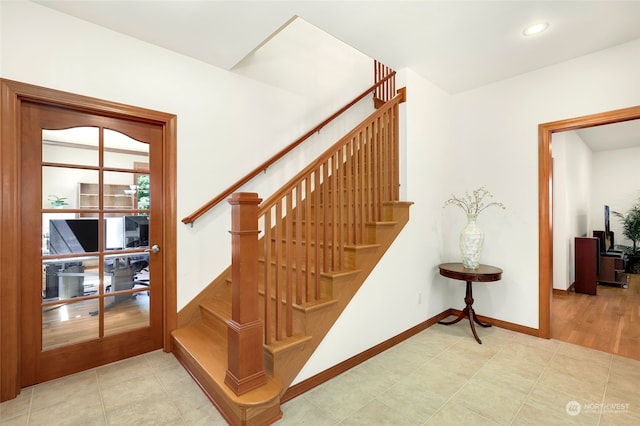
point(472, 203)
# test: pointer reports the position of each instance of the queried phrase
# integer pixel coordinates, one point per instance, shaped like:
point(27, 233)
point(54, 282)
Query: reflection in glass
point(144, 192)
point(124, 271)
point(68, 278)
point(123, 152)
point(70, 235)
point(119, 190)
point(77, 145)
point(69, 323)
point(127, 276)
point(62, 182)
point(129, 313)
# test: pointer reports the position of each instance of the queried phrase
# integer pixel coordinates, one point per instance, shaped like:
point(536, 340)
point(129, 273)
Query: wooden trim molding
point(9, 245)
point(328, 374)
point(13, 94)
point(545, 194)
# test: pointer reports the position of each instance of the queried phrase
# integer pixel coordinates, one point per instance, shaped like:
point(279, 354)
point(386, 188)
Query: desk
point(484, 273)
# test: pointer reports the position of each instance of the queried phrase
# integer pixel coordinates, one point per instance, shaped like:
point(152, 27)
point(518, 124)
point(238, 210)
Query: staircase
point(298, 258)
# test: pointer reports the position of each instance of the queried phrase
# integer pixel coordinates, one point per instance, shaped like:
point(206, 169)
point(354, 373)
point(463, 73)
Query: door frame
point(545, 200)
point(12, 94)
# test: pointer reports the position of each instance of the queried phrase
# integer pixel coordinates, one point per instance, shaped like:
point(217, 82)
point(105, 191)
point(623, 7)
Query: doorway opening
point(545, 202)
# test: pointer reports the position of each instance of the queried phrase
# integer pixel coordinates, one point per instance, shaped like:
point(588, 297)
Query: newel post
point(245, 370)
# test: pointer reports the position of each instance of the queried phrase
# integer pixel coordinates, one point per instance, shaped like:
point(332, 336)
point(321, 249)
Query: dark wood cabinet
point(593, 266)
point(587, 264)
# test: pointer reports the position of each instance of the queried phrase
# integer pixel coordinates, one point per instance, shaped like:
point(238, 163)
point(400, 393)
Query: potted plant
point(631, 229)
point(57, 202)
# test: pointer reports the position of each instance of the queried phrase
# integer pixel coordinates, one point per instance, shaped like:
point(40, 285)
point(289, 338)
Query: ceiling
point(457, 45)
point(612, 136)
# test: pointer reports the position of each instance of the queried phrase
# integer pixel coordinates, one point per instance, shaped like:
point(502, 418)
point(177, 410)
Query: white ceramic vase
point(471, 241)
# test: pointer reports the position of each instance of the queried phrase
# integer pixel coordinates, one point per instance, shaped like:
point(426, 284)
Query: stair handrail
point(269, 202)
point(361, 172)
point(365, 207)
point(190, 219)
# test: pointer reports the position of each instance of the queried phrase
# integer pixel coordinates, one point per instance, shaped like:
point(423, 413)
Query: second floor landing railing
point(383, 90)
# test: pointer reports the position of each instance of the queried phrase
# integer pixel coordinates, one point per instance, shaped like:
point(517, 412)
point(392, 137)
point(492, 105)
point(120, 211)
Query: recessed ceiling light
point(534, 29)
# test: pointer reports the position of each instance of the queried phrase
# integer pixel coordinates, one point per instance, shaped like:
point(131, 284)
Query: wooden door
point(91, 269)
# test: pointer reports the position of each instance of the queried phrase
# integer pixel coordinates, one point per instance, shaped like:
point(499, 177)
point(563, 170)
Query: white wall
point(227, 123)
point(495, 138)
point(616, 183)
point(405, 288)
point(572, 177)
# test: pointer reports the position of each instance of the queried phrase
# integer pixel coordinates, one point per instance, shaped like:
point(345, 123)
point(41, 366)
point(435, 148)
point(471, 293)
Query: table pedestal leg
point(468, 312)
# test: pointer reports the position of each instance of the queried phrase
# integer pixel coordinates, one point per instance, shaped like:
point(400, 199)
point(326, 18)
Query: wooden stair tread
point(340, 274)
point(357, 247)
point(315, 305)
point(211, 356)
point(382, 223)
point(286, 344)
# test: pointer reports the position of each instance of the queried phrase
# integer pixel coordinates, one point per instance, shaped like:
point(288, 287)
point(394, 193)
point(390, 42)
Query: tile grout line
point(30, 404)
point(546, 366)
point(104, 408)
point(461, 387)
point(164, 388)
point(606, 387)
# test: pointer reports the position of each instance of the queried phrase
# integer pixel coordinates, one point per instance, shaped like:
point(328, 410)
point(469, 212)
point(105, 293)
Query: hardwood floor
point(75, 322)
point(608, 322)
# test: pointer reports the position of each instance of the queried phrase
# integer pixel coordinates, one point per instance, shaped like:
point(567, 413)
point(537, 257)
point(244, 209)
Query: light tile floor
point(439, 377)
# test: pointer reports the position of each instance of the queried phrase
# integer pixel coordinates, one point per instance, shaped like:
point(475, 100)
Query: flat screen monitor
point(73, 236)
point(113, 233)
point(136, 231)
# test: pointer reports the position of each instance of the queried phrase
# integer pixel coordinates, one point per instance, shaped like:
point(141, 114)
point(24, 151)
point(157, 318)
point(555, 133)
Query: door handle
point(154, 249)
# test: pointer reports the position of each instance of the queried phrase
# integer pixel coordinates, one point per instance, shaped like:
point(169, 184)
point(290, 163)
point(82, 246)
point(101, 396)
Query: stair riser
point(217, 324)
point(334, 259)
point(305, 283)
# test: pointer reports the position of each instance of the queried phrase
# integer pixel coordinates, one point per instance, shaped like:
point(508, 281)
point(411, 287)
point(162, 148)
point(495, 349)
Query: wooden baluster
point(350, 198)
point(325, 216)
point(307, 232)
point(278, 284)
point(334, 211)
point(371, 216)
point(268, 310)
point(375, 159)
point(356, 188)
point(245, 370)
point(361, 198)
point(392, 155)
point(396, 149)
point(316, 218)
point(288, 263)
point(340, 207)
point(299, 210)
point(385, 187)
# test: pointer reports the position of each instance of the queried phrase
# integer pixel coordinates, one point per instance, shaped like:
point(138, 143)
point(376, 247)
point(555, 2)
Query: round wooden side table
point(484, 273)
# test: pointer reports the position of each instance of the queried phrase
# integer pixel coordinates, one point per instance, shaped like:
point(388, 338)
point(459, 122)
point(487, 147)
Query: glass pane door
point(96, 220)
